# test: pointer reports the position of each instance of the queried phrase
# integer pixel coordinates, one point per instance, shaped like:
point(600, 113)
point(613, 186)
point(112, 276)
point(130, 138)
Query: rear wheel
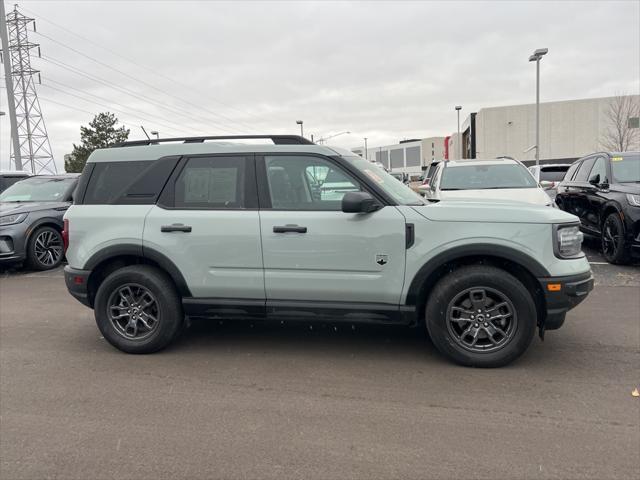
point(613, 239)
point(138, 310)
point(481, 316)
point(45, 249)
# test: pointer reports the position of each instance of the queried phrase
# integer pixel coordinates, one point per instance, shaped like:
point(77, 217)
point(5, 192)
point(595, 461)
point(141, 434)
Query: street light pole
point(458, 108)
point(537, 55)
point(300, 122)
point(366, 155)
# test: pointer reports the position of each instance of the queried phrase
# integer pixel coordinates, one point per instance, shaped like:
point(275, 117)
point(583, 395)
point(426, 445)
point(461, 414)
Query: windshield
point(397, 190)
point(481, 177)
point(626, 168)
point(37, 189)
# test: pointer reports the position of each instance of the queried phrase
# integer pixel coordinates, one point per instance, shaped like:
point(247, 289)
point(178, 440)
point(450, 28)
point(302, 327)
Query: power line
point(124, 108)
point(110, 107)
point(137, 64)
point(132, 93)
point(143, 82)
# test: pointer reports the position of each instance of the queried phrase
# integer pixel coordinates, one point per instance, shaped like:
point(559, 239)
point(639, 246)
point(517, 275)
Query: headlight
point(568, 241)
point(633, 199)
point(13, 219)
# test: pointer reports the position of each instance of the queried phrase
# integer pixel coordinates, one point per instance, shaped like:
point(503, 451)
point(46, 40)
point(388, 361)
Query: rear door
point(580, 189)
point(206, 222)
point(314, 252)
point(595, 198)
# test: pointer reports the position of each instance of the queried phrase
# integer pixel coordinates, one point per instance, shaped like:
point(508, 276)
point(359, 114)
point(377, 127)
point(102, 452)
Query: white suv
point(212, 227)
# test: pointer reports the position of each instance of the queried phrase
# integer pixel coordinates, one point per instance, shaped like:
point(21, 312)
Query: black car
point(603, 190)
point(31, 225)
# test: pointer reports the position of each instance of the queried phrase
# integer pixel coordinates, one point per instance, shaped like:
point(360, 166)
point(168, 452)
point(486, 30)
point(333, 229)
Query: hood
point(10, 208)
point(535, 196)
point(628, 187)
point(493, 212)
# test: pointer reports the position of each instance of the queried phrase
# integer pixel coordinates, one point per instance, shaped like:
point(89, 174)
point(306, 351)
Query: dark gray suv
point(31, 222)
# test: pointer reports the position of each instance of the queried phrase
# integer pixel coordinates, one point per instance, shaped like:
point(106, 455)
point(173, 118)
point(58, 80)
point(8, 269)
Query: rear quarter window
point(128, 183)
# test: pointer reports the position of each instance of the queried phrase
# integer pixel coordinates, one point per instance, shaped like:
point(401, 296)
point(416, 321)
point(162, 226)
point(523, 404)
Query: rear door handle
point(289, 228)
point(176, 227)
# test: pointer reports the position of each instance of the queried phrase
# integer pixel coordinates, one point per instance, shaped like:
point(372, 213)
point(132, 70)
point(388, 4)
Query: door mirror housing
point(595, 179)
point(359, 202)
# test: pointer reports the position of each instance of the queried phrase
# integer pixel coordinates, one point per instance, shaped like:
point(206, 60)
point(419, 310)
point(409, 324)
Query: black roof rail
point(277, 140)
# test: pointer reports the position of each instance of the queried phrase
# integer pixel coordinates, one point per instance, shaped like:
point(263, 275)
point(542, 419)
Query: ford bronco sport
point(212, 227)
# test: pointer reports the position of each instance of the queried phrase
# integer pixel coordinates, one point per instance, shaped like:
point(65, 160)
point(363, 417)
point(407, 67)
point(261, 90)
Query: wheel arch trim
point(145, 253)
point(535, 268)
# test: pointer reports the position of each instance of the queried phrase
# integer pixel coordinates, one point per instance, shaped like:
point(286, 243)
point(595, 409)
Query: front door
point(315, 252)
point(207, 224)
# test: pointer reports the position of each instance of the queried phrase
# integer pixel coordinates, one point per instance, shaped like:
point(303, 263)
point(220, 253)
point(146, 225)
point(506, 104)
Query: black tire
point(612, 238)
point(45, 249)
point(519, 328)
point(167, 309)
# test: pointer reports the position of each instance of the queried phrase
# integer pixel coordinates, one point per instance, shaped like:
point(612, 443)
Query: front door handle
point(176, 227)
point(289, 228)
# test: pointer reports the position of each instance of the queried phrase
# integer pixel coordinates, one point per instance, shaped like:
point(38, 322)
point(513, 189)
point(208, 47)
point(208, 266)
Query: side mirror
point(595, 179)
point(359, 202)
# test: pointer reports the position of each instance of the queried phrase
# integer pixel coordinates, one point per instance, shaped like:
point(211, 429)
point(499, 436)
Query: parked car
point(500, 179)
point(400, 176)
point(422, 184)
point(31, 224)
point(549, 176)
point(210, 230)
point(9, 177)
point(603, 191)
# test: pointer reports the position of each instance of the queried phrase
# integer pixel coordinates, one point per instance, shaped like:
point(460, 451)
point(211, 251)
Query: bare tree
point(620, 133)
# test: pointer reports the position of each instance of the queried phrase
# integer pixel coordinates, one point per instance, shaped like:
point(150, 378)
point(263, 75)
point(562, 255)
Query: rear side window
point(212, 182)
point(128, 183)
point(571, 172)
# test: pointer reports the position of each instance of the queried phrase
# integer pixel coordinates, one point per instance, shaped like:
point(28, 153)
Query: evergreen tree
point(101, 133)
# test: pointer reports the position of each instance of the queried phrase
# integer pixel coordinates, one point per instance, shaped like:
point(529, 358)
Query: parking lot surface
point(314, 400)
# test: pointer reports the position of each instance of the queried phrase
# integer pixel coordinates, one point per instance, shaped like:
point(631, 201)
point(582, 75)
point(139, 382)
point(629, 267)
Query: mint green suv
point(225, 228)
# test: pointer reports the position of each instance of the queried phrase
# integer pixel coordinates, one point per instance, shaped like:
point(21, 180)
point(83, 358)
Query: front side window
point(484, 177)
point(585, 168)
point(211, 182)
point(38, 189)
point(599, 169)
point(402, 194)
point(307, 183)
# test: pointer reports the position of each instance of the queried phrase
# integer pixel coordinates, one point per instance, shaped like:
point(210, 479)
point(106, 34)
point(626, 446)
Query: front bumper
point(561, 294)
point(77, 281)
point(13, 242)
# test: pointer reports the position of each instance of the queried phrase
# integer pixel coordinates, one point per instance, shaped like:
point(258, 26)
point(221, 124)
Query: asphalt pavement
point(242, 400)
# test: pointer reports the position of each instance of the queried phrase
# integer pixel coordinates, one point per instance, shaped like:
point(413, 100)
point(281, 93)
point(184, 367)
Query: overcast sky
point(382, 70)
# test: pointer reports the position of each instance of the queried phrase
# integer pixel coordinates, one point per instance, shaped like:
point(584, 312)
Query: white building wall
point(568, 129)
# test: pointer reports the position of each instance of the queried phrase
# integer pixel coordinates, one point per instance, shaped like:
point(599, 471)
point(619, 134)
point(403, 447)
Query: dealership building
point(568, 130)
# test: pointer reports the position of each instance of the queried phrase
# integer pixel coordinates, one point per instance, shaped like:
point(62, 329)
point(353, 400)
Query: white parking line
point(598, 263)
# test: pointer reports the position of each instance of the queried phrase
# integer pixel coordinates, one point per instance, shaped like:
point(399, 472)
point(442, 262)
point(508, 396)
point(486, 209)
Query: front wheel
point(613, 239)
point(481, 316)
point(138, 310)
point(45, 249)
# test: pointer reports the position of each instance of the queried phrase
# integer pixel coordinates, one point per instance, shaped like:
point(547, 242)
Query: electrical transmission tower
point(30, 147)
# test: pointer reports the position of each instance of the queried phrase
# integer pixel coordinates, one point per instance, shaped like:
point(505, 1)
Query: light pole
point(366, 155)
point(458, 108)
point(537, 55)
point(155, 132)
point(300, 122)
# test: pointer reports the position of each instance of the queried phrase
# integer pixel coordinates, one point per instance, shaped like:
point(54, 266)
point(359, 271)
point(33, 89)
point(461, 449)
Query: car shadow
point(305, 336)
